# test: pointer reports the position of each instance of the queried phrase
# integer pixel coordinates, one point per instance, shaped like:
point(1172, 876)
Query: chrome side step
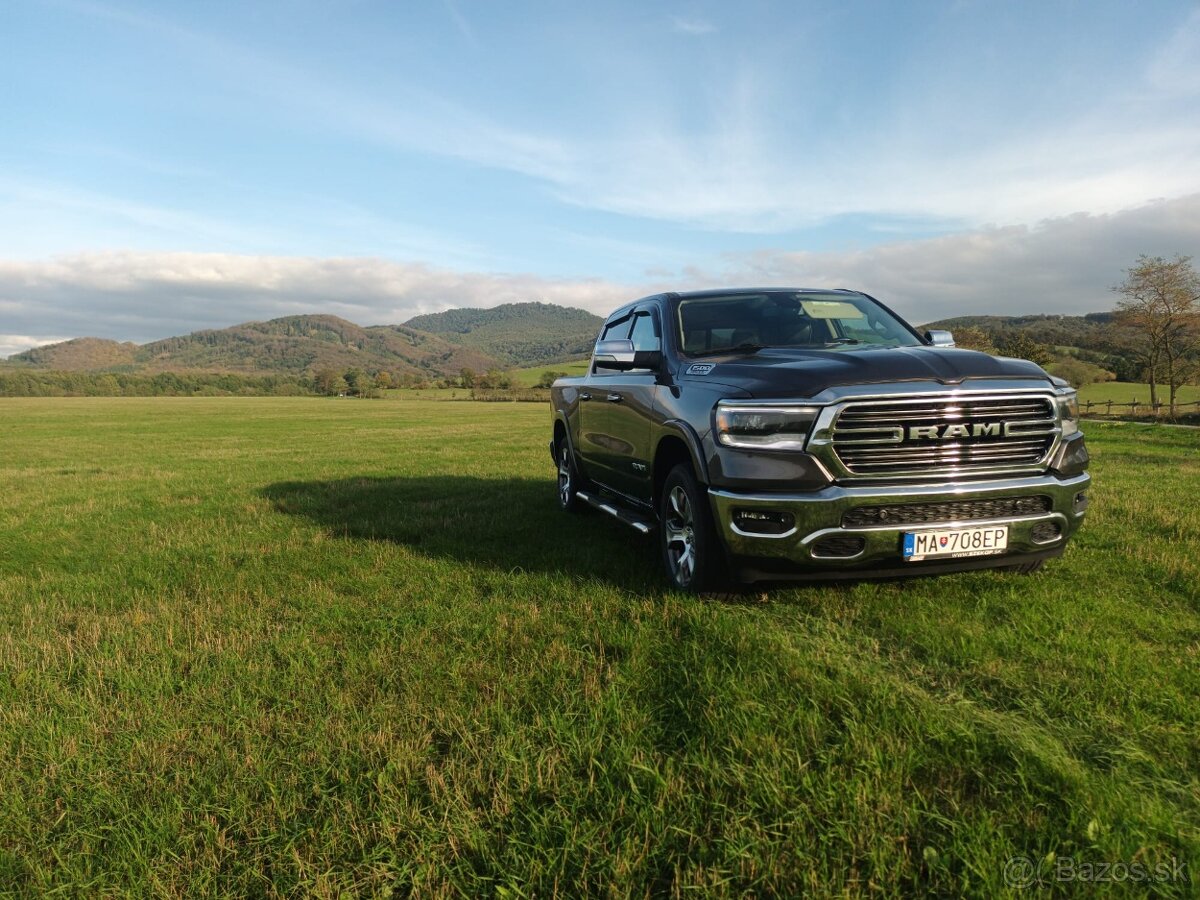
point(632, 519)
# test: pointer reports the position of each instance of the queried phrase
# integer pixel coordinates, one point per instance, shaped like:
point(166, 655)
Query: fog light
point(763, 521)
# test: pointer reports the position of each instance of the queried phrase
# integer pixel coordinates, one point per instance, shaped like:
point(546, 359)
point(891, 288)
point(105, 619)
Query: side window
point(614, 331)
point(643, 335)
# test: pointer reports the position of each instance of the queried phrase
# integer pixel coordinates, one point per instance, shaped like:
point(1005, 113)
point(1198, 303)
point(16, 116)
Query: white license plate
point(950, 543)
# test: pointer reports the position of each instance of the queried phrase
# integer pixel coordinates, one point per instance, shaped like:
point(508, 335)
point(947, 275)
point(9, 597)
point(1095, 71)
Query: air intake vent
point(1045, 532)
point(839, 546)
point(950, 511)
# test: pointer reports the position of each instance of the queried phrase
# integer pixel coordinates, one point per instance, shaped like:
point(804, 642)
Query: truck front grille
point(947, 511)
point(944, 436)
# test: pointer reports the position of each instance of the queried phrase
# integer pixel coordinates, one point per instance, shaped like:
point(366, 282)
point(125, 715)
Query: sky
point(171, 166)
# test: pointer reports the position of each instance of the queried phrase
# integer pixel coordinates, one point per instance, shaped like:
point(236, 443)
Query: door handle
point(615, 398)
point(584, 395)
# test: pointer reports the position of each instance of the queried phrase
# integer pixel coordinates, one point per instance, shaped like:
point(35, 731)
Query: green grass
point(308, 646)
point(429, 393)
point(532, 375)
point(1125, 392)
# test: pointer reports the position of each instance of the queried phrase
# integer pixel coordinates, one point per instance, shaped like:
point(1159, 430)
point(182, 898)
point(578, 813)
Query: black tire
point(1027, 568)
point(568, 479)
point(692, 556)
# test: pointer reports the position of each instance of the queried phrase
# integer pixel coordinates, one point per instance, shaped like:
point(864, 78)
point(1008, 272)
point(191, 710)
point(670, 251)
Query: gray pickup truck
point(773, 434)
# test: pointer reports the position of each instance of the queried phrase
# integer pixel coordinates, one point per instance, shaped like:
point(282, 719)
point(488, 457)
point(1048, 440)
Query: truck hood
point(782, 372)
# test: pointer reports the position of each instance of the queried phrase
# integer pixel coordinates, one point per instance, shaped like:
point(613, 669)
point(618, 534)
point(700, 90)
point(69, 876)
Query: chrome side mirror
point(940, 338)
point(617, 354)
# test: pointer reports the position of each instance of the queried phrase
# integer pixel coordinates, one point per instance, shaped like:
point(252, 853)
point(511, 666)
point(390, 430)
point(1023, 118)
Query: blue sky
point(430, 154)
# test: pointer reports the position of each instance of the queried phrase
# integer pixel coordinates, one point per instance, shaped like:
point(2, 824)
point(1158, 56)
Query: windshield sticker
point(831, 309)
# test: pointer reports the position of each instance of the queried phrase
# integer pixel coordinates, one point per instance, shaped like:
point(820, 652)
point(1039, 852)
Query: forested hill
point(522, 334)
point(293, 345)
point(1088, 332)
point(514, 334)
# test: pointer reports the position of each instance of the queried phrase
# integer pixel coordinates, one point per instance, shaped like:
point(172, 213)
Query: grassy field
point(530, 376)
point(282, 646)
point(1125, 392)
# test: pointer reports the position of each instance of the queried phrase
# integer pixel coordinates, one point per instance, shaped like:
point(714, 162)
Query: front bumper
point(817, 515)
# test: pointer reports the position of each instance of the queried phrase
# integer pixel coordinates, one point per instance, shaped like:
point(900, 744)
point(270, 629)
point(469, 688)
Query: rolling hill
point(307, 343)
point(516, 334)
point(1087, 332)
point(528, 333)
point(81, 355)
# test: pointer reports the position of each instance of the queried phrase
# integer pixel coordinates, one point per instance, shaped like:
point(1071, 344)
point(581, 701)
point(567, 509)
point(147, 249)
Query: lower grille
point(839, 546)
point(950, 511)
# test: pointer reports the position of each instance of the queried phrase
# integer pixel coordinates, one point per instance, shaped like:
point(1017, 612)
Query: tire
point(692, 556)
point(568, 479)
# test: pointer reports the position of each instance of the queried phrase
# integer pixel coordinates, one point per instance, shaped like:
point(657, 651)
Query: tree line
point(1151, 335)
point(36, 383)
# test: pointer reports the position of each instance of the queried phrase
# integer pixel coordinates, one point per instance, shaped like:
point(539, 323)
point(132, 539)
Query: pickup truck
point(769, 434)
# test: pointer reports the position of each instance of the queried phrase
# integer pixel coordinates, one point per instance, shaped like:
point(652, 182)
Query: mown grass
point(531, 375)
point(1127, 392)
point(281, 646)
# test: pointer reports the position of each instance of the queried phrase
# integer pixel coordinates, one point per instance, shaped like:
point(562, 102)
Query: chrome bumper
point(818, 515)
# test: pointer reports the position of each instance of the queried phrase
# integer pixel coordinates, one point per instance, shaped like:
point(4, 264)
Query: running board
point(632, 519)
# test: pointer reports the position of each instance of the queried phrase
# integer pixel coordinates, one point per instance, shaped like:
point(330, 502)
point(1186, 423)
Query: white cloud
point(18, 343)
point(1176, 68)
point(1064, 265)
point(143, 296)
point(692, 26)
point(733, 167)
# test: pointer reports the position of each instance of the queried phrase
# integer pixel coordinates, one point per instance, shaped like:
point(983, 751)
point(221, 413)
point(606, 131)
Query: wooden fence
point(1138, 409)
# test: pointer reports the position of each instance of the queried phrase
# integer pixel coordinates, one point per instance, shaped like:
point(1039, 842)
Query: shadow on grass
point(502, 523)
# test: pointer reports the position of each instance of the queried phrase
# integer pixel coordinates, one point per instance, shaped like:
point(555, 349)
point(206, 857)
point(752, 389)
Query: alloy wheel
point(680, 529)
point(566, 486)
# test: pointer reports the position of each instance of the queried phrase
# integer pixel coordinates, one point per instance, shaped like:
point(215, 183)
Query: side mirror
point(617, 354)
point(940, 338)
point(620, 355)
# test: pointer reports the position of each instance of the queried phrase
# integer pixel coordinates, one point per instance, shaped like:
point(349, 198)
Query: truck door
point(616, 421)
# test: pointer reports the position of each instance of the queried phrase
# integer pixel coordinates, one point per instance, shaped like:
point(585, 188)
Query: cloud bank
point(1063, 265)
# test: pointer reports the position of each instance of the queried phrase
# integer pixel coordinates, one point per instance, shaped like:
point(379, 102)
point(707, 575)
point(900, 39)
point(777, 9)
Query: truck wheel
point(568, 480)
point(692, 556)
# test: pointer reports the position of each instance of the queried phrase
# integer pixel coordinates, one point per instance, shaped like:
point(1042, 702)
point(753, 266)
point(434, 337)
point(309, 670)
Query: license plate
point(951, 543)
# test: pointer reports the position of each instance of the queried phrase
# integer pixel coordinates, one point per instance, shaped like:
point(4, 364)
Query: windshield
point(752, 322)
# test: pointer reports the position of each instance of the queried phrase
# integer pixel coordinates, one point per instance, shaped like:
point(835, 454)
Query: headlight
point(759, 427)
point(1068, 411)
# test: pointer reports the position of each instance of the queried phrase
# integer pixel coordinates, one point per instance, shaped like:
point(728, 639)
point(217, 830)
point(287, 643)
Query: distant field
point(319, 647)
point(1118, 392)
point(1125, 392)
point(425, 394)
point(531, 376)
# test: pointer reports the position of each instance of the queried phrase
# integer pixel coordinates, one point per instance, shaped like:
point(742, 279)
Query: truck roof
point(722, 292)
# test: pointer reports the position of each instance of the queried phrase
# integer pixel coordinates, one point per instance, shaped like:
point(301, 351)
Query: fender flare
point(682, 430)
point(561, 416)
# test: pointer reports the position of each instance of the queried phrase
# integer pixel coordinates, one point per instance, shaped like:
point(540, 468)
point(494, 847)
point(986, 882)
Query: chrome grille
point(944, 436)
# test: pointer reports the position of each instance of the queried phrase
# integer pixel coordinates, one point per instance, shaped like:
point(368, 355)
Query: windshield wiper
point(744, 347)
point(842, 341)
